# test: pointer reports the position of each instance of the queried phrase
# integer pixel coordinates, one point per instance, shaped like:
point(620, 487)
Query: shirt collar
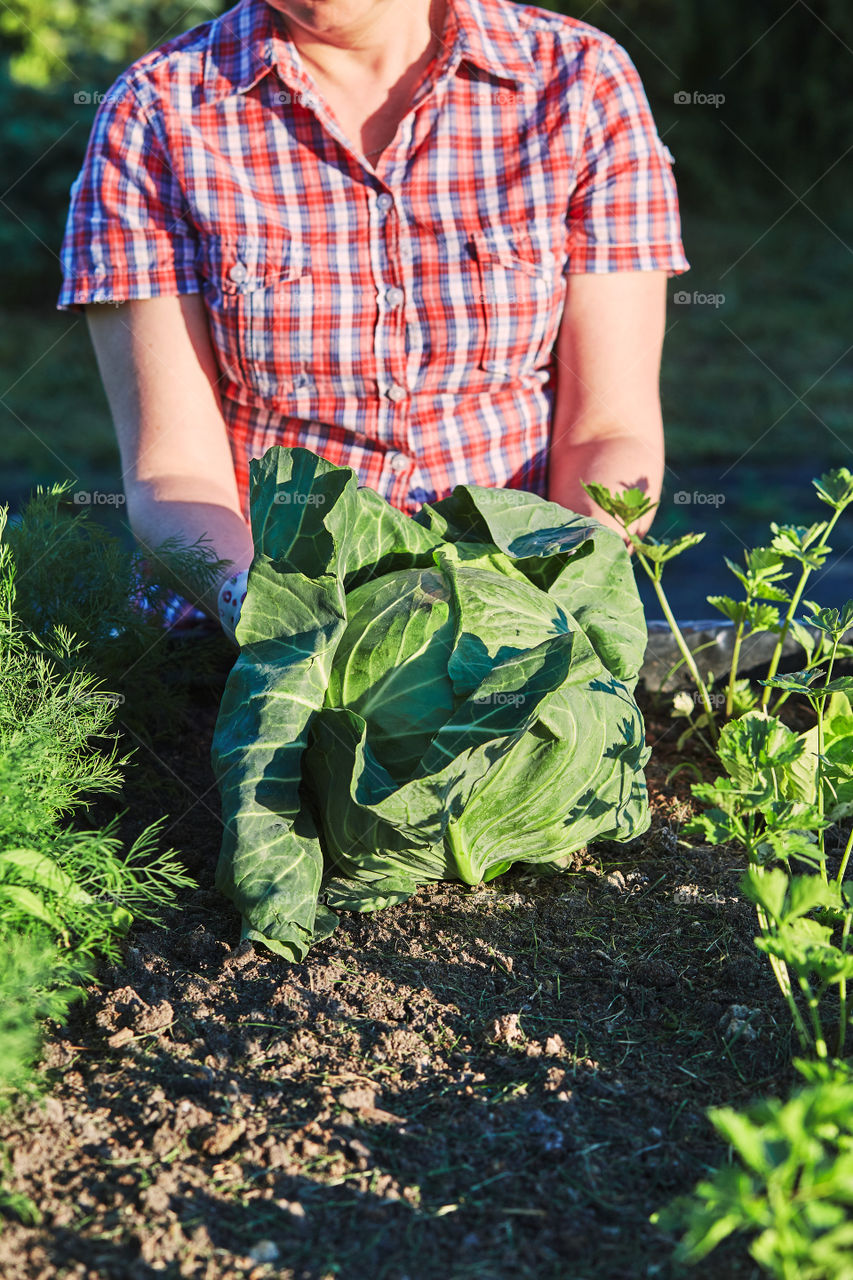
point(246, 43)
point(488, 35)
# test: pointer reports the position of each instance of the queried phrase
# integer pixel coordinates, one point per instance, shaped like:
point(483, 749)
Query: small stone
point(222, 1138)
point(264, 1251)
point(554, 1046)
point(163, 1141)
point(295, 1210)
point(120, 1038)
point(505, 1030)
point(554, 1079)
point(544, 1132)
point(155, 1199)
point(360, 1098)
point(278, 1156)
point(656, 973)
point(54, 1110)
point(738, 1023)
point(155, 1017)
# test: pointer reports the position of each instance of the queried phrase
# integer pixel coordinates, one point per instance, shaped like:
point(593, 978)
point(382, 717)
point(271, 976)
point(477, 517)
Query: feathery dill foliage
point(66, 896)
point(75, 578)
point(37, 982)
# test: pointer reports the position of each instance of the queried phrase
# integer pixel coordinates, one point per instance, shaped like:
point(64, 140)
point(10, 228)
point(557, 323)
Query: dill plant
point(78, 595)
point(67, 896)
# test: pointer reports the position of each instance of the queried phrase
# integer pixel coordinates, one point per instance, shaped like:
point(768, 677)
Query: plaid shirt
point(398, 319)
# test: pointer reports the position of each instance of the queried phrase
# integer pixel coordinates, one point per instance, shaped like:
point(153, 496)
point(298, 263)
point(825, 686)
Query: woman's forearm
point(161, 380)
point(606, 423)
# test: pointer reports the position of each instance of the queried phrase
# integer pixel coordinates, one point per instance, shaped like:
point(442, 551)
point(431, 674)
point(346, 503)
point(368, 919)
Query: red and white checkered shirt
point(397, 319)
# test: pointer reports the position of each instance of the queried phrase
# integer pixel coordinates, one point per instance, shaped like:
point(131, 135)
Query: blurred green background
point(754, 102)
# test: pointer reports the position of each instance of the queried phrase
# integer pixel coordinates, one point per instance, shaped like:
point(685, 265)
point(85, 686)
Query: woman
point(428, 239)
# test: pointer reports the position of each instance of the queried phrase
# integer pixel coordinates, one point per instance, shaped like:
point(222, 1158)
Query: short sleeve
point(127, 234)
point(623, 214)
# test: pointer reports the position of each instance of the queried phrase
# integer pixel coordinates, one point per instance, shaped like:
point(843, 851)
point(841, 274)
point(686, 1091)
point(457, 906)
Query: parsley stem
point(842, 985)
point(738, 641)
point(845, 858)
point(795, 600)
point(812, 1000)
point(821, 705)
point(783, 977)
point(655, 576)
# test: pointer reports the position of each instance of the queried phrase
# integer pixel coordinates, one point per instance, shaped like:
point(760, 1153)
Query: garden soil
point(495, 1082)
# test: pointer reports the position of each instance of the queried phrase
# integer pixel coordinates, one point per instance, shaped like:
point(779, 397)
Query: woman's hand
point(232, 593)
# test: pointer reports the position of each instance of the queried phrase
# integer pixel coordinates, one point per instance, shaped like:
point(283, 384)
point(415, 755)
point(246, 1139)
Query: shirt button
point(396, 393)
point(238, 273)
point(394, 296)
point(384, 202)
point(397, 462)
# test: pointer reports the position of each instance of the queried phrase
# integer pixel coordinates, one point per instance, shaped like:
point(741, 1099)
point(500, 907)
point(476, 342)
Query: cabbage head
point(419, 699)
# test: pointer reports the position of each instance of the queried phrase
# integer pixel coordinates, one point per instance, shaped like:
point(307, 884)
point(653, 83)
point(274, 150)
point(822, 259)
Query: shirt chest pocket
point(259, 299)
point(520, 302)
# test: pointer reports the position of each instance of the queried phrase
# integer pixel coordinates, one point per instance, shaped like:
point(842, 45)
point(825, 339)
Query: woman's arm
point(160, 377)
point(606, 424)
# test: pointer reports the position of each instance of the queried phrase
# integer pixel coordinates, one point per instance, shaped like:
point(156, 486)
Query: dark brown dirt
point(496, 1082)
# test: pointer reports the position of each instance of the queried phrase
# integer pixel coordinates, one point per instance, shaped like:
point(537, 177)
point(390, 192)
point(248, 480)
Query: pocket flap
point(513, 249)
point(244, 264)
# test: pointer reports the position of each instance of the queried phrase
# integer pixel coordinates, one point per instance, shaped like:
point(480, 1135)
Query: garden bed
point(504, 1080)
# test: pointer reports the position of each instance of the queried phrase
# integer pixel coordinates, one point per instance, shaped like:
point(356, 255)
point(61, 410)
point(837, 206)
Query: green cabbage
point(419, 699)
